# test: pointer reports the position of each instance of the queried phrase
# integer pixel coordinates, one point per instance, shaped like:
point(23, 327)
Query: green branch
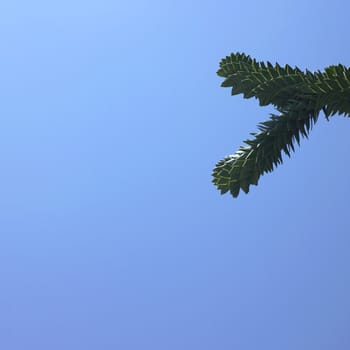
point(298, 97)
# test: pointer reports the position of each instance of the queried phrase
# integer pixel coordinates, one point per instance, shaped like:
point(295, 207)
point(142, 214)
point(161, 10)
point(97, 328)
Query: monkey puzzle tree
point(298, 96)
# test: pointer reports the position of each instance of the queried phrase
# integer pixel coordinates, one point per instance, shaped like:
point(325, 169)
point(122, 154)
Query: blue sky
point(112, 235)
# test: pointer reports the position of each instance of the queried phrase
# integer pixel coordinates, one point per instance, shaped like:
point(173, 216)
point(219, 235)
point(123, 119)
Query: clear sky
point(111, 233)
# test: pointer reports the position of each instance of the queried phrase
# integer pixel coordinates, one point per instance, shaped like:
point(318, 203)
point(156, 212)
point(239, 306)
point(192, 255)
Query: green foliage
point(298, 96)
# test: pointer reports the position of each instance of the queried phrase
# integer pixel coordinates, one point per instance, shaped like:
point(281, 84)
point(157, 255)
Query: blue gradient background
point(112, 235)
